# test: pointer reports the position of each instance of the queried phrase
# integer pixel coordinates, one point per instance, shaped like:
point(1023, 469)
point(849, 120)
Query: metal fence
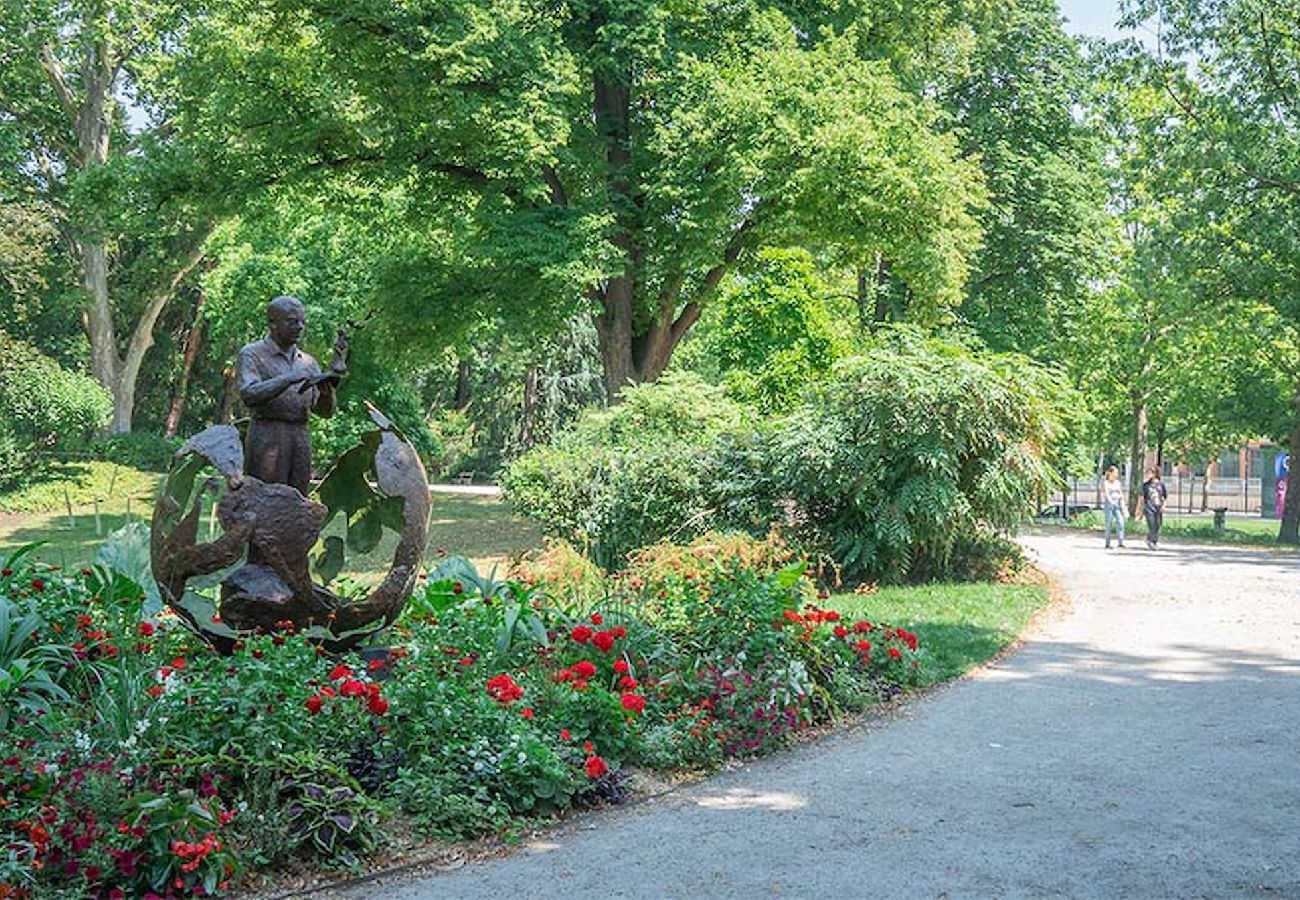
point(1187, 494)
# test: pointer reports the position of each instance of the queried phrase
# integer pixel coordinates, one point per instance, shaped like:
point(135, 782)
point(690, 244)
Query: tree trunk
point(229, 395)
point(528, 416)
point(1289, 531)
point(462, 386)
point(193, 341)
point(1137, 451)
point(882, 290)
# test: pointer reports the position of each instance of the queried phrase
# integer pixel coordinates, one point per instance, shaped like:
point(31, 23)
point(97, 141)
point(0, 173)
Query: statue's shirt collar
point(290, 355)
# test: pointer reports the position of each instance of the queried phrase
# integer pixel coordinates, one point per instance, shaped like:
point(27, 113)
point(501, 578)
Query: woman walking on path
point(1154, 495)
point(1114, 497)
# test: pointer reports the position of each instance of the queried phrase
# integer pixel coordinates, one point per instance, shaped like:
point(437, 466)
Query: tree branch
point(67, 100)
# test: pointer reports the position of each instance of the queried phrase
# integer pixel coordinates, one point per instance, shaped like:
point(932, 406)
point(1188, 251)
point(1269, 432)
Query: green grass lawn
point(1245, 530)
point(959, 626)
point(476, 526)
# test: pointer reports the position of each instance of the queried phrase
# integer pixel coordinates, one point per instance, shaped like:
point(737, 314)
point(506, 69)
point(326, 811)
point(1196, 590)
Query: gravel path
point(1141, 744)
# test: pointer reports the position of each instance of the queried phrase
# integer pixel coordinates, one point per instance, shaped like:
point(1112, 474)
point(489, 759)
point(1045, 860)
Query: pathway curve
point(1142, 744)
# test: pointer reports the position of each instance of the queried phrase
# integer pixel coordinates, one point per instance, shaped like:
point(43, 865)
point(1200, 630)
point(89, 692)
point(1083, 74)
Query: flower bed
point(136, 762)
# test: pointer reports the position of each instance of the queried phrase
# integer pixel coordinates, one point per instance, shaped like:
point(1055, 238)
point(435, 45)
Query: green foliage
point(907, 452)
point(43, 406)
point(616, 480)
point(772, 333)
point(142, 450)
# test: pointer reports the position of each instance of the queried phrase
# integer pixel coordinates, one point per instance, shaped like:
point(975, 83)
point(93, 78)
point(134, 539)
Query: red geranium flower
point(628, 682)
point(339, 672)
point(352, 688)
point(603, 641)
point(146, 629)
point(633, 703)
point(314, 704)
point(841, 631)
point(895, 653)
point(377, 705)
point(565, 735)
point(584, 669)
point(595, 767)
point(620, 666)
point(597, 619)
point(527, 712)
point(619, 632)
point(581, 634)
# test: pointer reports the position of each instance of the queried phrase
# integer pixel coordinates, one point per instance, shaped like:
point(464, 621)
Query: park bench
point(463, 477)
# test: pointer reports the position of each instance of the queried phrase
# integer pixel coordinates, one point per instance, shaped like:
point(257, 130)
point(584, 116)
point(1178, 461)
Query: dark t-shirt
point(1154, 495)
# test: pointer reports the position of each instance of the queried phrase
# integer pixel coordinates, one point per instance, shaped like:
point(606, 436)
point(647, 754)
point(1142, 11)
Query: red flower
point(84, 621)
point(895, 653)
point(620, 666)
point(603, 641)
point(502, 688)
point(595, 767)
point(841, 631)
point(862, 627)
point(327, 692)
point(565, 735)
point(467, 661)
point(588, 747)
point(377, 705)
point(581, 634)
point(38, 585)
point(314, 704)
point(179, 663)
point(527, 712)
point(619, 632)
point(628, 682)
point(375, 665)
point(352, 688)
point(154, 690)
point(584, 669)
point(597, 619)
point(339, 672)
point(146, 629)
point(633, 703)
point(864, 646)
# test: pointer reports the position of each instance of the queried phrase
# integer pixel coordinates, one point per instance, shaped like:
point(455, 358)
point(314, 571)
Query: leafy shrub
point(908, 452)
point(138, 449)
point(629, 475)
point(43, 406)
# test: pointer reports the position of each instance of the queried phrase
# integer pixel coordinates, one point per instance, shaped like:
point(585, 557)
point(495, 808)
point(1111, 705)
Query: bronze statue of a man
point(281, 385)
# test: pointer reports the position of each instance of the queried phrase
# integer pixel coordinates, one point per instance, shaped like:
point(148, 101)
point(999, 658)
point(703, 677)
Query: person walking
point(1114, 499)
point(1154, 495)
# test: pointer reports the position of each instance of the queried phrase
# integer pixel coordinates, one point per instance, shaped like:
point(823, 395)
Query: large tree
point(617, 156)
point(73, 73)
point(1231, 68)
point(1048, 239)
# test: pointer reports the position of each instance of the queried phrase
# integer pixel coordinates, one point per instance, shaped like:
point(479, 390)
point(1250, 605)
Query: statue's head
point(285, 320)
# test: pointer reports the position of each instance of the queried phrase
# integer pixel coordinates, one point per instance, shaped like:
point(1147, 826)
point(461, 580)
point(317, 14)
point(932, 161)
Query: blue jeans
point(1115, 520)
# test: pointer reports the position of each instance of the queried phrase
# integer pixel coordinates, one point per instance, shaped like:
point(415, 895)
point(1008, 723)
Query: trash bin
point(1220, 518)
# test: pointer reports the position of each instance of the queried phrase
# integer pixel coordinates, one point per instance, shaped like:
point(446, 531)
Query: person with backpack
point(1154, 495)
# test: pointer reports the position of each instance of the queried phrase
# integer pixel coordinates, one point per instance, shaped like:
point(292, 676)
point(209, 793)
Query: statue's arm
point(255, 390)
point(326, 399)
